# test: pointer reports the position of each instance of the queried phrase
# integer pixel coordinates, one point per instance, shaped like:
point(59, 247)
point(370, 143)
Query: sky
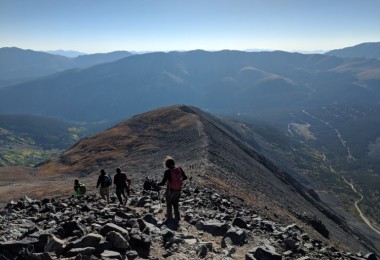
point(93, 26)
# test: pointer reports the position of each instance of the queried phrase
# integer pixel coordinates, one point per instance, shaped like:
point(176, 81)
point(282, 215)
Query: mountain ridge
point(204, 79)
point(222, 161)
point(19, 65)
point(367, 50)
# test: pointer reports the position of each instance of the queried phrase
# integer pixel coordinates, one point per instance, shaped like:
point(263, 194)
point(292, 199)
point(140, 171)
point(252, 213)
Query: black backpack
point(107, 180)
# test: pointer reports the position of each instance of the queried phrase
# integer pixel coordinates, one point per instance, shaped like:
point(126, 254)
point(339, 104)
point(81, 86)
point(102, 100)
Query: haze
point(102, 26)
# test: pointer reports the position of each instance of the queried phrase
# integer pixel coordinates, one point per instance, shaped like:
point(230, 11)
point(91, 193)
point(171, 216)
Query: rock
point(82, 251)
point(117, 240)
point(291, 244)
point(141, 243)
point(112, 227)
point(145, 227)
point(167, 234)
point(54, 244)
point(141, 240)
point(90, 240)
point(237, 236)
point(103, 246)
point(202, 251)
point(132, 254)
point(309, 246)
point(261, 253)
point(12, 249)
point(48, 207)
point(370, 256)
point(107, 254)
point(150, 219)
point(267, 226)
point(239, 222)
point(42, 256)
point(71, 226)
point(305, 237)
point(143, 201)
point(215, 228)
point(204, 248)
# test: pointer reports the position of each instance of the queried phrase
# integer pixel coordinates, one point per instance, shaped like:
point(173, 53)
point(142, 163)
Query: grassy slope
point(29, 140)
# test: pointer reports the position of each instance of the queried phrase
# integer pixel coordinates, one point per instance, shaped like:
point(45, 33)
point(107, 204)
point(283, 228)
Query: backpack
point(107, 180)
point(82, 189)
point(176, 179)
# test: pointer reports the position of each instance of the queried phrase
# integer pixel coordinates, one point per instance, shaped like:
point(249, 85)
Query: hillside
point(369, 50)
point(29, 140)
point(18, 65)
point(224, 82)
point(211, 151)
point(326, 146)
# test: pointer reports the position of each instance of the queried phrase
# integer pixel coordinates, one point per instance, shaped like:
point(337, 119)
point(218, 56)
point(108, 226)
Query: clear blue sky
point(162, 25)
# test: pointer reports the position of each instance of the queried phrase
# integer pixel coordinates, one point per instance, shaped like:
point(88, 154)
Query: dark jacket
point(101, 181)
point(120, 180)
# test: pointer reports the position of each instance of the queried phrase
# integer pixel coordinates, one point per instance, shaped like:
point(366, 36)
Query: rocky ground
point(213, 226)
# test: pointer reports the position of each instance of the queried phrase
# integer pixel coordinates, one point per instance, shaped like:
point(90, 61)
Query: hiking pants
point(119, 192)
point(105, 193)
point(172, 202)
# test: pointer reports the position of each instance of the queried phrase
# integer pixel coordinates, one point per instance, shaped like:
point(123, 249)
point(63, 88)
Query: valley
point(27, 140)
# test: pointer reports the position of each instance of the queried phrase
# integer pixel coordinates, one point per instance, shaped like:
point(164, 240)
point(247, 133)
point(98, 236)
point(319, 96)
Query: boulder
point(237, 236)
point(112, 227)
point(117, 241)
point(54, 244)
point(261, 253)
point(214, 227)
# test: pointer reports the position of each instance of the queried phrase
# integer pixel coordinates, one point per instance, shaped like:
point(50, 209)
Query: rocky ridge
point(213, 226)
point(219, 156)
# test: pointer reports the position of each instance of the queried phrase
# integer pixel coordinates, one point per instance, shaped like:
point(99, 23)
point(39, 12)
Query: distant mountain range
point(18, 65)
point(225, 82)
point(69, 54)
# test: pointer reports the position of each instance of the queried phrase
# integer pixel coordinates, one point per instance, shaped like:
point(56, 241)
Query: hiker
point(154, 186)
point(173, 177)
point(120, 181)
point(147, 184)
point(105, 182)
point(79, 188)
point(150, 184)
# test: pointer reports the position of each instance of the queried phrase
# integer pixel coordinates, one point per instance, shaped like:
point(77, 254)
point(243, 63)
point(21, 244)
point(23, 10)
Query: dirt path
point(366, 220)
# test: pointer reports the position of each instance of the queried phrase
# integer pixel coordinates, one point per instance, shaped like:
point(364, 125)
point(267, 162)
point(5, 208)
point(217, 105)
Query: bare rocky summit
point(239, 205)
